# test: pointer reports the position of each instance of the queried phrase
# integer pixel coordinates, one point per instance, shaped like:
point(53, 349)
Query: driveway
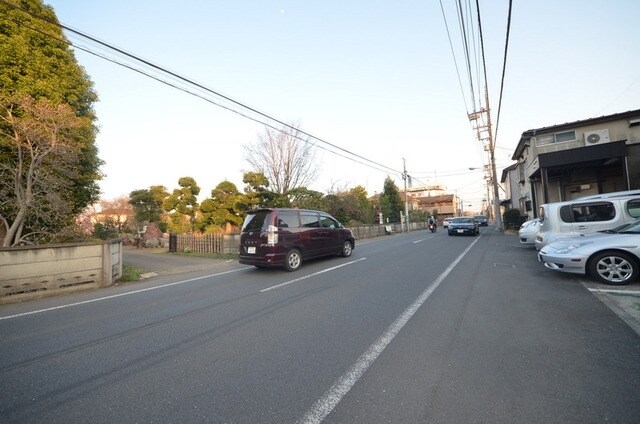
point(159, 261)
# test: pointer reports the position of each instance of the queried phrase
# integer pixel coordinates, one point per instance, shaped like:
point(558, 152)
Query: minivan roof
point(283, 209)
point(612, 195)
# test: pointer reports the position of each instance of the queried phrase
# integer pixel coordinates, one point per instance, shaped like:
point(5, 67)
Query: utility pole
point(406, 202)
point(482, 124)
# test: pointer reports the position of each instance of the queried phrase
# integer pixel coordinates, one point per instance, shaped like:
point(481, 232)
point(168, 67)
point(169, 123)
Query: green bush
point(511, 218)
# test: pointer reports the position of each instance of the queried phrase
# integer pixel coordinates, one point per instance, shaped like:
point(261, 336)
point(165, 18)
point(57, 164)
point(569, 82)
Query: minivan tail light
point(272, 235)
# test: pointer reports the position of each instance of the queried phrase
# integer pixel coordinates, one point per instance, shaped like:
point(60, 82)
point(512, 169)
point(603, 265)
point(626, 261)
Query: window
point(564, 136)
point(633, 207)
point(634, 122)
point(593, 212)
point(328, 222)
point(309, 220)
point(288, 220)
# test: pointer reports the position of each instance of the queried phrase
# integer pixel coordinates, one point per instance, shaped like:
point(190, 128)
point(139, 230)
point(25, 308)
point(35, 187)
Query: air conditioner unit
point(591, 138)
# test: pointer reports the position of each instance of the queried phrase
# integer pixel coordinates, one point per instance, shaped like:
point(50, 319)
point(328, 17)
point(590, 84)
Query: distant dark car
point(463, 226)
point(481, 220)
point(286, 237)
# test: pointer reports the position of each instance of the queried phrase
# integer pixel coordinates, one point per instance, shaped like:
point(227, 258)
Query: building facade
point(574, 159)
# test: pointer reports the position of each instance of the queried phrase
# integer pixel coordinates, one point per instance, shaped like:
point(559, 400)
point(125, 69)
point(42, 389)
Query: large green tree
point(46, 99)
point(147, 203)
point(258, 194)
point(182, 206)
point(390, 202)
point(222, 208)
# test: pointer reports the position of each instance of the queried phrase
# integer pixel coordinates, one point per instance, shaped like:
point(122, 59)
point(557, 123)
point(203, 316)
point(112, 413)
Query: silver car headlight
point(570, 248)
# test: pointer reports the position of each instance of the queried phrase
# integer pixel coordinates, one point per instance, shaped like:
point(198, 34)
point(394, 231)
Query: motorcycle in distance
point(432, 225)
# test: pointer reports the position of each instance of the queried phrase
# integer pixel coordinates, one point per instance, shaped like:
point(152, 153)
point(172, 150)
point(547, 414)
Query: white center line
point(286, 283)
point(334, 395)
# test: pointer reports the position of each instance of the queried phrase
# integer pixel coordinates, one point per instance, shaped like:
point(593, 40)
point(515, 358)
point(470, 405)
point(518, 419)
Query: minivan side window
point(633, 207)
point(593, 212)
point(328, 222)
point(288, 220)
point(309, 220)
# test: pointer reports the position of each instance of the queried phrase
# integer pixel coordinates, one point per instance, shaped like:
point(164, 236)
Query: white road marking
point(286, 283)
point(632, 292)
point(334, 395)
point(419, 241)
point(99, 299)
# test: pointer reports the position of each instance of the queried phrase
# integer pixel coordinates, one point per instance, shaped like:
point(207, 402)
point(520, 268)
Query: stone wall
point(36, 271)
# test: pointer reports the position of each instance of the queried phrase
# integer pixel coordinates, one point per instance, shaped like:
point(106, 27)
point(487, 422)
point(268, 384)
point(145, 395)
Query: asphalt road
point(417, 328)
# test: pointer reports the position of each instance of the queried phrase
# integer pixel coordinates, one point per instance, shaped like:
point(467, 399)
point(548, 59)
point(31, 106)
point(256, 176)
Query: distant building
point(430, 197)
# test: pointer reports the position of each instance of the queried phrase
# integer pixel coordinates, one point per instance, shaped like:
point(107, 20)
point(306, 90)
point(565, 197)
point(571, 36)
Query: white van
point(586, 215)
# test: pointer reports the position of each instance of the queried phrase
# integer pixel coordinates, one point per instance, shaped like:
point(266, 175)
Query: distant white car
point(612, 256)
point(447, 221)
point(528, 231)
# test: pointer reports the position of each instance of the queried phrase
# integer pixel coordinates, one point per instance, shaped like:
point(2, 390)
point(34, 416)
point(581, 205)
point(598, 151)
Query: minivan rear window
point(256, 221)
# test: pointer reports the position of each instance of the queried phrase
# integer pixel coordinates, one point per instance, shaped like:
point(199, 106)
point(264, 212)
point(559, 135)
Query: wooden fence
point(208, 243)
point(230, 243)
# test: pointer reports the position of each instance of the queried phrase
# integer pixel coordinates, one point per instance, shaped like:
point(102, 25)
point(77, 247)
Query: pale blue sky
point(374, 77)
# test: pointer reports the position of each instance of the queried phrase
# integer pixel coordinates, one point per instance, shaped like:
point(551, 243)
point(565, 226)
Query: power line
point(504, 67)
point(362, 160)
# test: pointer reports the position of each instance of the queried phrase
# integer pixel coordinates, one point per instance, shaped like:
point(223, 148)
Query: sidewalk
point(623, 300)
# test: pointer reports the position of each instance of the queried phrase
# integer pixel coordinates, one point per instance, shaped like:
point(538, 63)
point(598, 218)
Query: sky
point(375, 78)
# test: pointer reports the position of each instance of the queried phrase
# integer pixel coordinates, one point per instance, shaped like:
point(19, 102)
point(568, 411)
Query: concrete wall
point(36, 271)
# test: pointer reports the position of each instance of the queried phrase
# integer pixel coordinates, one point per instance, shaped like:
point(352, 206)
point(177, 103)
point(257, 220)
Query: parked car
point(446, 221)
point(612, 257)
point(528, 231)
point(463, 226)
point(287, 237)
point(481, 220)
point(586, 215)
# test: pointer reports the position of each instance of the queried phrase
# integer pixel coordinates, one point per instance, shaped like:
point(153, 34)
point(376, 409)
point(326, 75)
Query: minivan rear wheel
point(293, 260)
point(347, 249)
point(613, 268)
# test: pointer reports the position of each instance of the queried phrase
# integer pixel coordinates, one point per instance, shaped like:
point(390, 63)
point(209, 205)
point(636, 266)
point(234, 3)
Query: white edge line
point(631, 292)
point(99, 299)
point(286, 283)
point(334, 395)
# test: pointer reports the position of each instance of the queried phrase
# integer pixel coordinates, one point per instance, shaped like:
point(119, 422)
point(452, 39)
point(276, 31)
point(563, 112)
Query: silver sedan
point(612, 256)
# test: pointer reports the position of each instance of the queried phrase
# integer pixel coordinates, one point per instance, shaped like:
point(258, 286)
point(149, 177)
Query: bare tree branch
point(285, 157)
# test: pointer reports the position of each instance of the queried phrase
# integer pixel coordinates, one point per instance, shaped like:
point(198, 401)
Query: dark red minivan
point(286, 237)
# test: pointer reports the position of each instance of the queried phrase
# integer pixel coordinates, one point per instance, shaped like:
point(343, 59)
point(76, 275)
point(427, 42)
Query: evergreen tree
point(224, 207)
point(43, 87)
point(390, 202)
point(183, 206)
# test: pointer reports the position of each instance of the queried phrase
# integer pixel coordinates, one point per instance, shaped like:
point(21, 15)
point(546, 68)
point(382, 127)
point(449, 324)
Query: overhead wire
point(463, 35)
point(504, 67)
point(351, 155)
